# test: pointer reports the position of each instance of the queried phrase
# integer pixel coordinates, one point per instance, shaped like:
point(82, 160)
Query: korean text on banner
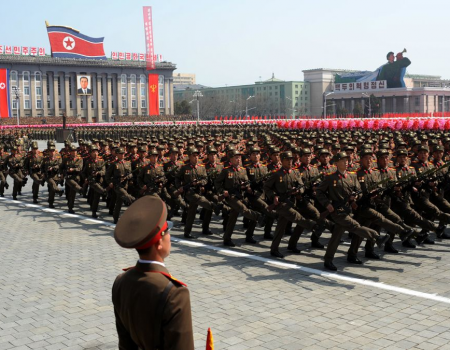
point(148, 27)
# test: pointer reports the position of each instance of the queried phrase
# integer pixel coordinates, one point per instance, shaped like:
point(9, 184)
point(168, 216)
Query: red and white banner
point(148, 27)
point(153, 94)
point(4, 94)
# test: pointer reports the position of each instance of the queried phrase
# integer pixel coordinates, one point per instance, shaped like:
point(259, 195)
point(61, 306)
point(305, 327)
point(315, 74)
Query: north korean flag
point(68, 43)
point(5, 110)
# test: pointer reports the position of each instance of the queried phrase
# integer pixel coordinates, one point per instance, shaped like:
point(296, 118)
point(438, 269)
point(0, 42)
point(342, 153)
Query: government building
point(48, 87)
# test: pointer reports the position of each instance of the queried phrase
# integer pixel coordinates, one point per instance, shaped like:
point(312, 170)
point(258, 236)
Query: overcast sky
point(233, 42)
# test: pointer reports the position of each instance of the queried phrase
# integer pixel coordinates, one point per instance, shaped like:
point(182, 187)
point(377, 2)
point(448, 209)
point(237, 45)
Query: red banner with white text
point(153, 94)
point(148, 27)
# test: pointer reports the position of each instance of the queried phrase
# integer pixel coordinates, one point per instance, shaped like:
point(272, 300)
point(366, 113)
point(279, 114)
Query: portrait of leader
point(84, 85)
point(394, 70)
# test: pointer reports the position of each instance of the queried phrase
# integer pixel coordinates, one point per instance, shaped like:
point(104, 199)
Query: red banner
point(4, 94)
point(153, 94)
point(148, 27)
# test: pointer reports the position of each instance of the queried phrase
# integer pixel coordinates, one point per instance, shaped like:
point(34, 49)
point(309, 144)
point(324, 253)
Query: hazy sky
point(238, 41)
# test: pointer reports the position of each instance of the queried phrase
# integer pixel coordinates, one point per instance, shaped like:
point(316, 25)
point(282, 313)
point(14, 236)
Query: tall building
point(183, 79)
point(269, 97)
point(48, 87)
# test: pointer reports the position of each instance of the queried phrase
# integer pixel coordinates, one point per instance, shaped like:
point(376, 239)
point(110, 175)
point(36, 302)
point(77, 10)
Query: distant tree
point(358, 110)
point(183, 108)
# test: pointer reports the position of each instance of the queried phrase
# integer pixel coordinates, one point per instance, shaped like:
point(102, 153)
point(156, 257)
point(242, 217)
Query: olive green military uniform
point(15, 166)
point(193, 179)
point(51, 166)
point(282, 183)
point(33, 164)
point(336, 189)
point(71, 168)
point(366, 213)
point(231, 180)
point(93, 172)
point(3, 172)
point(121, 174)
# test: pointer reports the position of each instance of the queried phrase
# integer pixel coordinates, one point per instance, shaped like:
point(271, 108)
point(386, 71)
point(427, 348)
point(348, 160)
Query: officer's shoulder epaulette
point(415, 161)
point(201, 165)
point(227, 167)
point(352, 172)
point(392, 168)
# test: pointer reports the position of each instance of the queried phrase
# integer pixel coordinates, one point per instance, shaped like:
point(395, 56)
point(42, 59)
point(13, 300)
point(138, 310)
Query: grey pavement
point(57, 270)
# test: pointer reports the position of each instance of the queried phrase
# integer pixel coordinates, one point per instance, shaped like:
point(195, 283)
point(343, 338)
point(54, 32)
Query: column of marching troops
point(286, 181)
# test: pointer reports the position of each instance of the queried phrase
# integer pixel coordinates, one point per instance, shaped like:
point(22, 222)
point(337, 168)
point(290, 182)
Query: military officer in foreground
point(152, 308)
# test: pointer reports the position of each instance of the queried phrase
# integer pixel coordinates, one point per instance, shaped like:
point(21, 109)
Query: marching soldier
point(15, 166)
point(51, 165)
point(283, 188)
point(71, 168)
point(3, 170)
point(232, 183)
point(191, 180)
point(94, 171)
point(33, 163)
point(171, 169)
point(121, 175)
point(337, 194)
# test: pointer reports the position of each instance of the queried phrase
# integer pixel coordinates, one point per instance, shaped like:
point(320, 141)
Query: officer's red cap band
point(155, 239)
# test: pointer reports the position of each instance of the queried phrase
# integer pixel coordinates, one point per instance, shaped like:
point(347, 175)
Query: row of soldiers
point(360, 182)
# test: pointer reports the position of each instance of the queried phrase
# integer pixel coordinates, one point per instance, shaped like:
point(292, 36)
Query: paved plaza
point(57, 270)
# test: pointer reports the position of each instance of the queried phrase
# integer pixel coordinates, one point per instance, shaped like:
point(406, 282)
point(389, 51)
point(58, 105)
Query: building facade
point(422, 94)
point(269, 97)
point(184, 79)
point(48, 87)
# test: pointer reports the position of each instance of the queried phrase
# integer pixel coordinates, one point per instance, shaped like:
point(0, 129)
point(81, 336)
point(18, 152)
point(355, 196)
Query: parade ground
point(57, 270)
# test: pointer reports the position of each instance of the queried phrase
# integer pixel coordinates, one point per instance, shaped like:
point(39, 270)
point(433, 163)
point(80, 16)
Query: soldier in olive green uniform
point(257, 174)
point(151, 178)
point(283, 188)
point(33, 163)
point(3, 170)
point(191, 180)
point(121, 175)
point(93, 172)
point(15, 166)
point(71, 168)
point(171, 169)
point(337, 194)
point(232, 182)
point(51, 165)
point(366, 213)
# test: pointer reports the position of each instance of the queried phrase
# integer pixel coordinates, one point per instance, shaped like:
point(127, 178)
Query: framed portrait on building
point(84, 85)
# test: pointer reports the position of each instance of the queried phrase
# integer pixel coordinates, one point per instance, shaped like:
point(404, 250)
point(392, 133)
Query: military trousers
point(97, 191)
point(52, 189)
point(73, 187)
point(121, 196)
point(369, 217)
point(237, 207)
point(195, 200)
point(2, 182)
point(37, 181)
point(309, 211)
point(286, 213)
point(430, 210)
point(18, 178)
point(411, 216)
point(344, 222)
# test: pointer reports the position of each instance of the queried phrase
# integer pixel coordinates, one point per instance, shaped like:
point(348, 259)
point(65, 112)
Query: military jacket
point(51, 166)
point(230, 179)
point(326, 169)
point(282, 182)
point(75, 163)
point(94, 166)
point(336, 189)
point(191, 173)
point(150, 175)
point(120, 170)
point(14, 163)
point(3, 159)
point(33, 163)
